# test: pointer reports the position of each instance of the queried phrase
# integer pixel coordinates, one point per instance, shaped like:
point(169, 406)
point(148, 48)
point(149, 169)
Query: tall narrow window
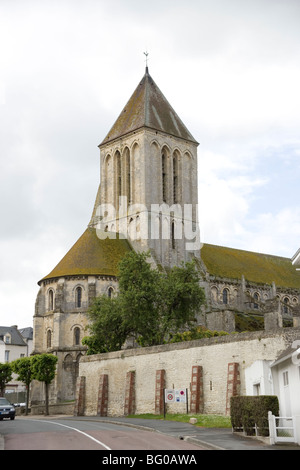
point(110, 292)
point(77, 336)
point(127, 176)
point(256, 298)
point(225, 296)
point(118, 177)
point(173, 234)
point(78, 297)
point(49, 339)
point(175, 180)
point(286, 305)
point(164, 177)
point(51, 299)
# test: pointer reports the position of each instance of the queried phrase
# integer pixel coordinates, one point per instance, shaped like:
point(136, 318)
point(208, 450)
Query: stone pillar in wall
point(233, 383)
point(80, 395)
point(197, 403)
point(103, 395)
point(129, 407)
point(272, 314)
point(159, 391)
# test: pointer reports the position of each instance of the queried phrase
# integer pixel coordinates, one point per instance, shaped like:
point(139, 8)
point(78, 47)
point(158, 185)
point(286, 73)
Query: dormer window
point(7, 339)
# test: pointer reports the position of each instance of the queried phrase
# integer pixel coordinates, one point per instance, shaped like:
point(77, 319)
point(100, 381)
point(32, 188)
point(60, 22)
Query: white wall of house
point(258, 379)
point(286, 378)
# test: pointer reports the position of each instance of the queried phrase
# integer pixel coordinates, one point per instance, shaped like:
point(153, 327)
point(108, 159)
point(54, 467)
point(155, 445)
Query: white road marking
point(73, 429)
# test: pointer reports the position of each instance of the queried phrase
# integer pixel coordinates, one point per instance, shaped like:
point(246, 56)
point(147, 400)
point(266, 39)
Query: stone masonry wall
point(176, 364)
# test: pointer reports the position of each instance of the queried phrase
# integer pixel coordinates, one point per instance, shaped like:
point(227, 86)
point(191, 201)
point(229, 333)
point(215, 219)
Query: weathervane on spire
point(146, 54)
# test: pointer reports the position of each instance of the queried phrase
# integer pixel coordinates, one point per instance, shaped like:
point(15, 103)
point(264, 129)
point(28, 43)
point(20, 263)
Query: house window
point(78, 297)
point(6, 356)
point(7, 339)
point(285, 375)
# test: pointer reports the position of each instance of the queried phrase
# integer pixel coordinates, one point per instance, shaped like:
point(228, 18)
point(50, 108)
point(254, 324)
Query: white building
point(286, 380)
point(15, 344)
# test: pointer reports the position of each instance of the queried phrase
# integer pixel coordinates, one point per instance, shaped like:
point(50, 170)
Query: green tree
point(151, 305)
point(5, 376)
point(43, 368)
point(107, 328)
point(23, 368)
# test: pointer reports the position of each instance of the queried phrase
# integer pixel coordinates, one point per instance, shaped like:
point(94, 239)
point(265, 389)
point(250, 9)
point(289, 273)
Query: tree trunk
point(47, 399)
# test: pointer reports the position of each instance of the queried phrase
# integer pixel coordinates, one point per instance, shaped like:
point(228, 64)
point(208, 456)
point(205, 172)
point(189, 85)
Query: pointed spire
point(149, 108)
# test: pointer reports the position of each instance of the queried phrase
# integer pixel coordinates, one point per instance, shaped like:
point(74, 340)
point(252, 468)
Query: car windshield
point(3, 402)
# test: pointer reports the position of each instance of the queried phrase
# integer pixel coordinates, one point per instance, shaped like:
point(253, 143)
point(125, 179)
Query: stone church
point(147, 200)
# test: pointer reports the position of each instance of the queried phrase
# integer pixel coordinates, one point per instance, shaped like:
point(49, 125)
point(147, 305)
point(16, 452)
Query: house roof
point(148, 107)
point(255, 267)
point(91, 255)
point(16, 337)
point(292, 351)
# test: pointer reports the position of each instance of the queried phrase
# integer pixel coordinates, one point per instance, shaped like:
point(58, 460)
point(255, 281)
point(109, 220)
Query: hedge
point(248, 411)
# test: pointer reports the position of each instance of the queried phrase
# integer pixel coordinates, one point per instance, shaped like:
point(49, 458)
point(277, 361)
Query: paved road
point(75, 434)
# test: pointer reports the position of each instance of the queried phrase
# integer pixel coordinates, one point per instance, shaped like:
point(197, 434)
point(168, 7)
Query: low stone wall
point(57, 409)
point(211, 369)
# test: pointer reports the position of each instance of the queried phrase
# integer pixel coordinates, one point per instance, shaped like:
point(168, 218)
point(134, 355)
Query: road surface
point(71, 434)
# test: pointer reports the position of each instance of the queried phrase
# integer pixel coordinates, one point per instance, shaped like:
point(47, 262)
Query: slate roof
point(16, 337)
point(148, 107)
point(255, 267)
point(91, 256)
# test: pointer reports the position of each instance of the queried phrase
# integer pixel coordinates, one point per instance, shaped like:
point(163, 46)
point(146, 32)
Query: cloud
point(230, 70)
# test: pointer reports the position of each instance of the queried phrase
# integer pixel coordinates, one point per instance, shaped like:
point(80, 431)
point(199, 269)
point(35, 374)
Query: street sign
point(175, 396)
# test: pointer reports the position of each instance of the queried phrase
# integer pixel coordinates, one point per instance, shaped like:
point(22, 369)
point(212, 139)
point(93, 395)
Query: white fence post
point(272, 429)
point(297, 429)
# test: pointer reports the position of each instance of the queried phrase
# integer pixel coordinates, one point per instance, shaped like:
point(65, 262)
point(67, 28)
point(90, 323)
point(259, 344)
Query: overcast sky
point(229, 68)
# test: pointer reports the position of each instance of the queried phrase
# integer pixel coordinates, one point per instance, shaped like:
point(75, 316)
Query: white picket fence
point(284, 429)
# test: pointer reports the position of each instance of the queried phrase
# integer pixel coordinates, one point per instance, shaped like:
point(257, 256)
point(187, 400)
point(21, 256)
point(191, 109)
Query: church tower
point(148, 189)
point(147, 200)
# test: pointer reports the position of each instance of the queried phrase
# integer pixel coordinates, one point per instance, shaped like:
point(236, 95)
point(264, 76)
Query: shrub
point(248, 411)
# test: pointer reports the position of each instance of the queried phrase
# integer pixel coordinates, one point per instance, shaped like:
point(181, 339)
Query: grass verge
point(205, 421)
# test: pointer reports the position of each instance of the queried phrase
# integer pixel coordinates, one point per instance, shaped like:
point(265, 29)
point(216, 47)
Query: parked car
point(7, 410)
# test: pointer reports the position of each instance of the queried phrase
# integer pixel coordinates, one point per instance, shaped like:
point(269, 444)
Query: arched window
point(175, 178)
point(286, 305)
point(49, 335)
point(110, 292)
point(256, 299)
point(164, 177)
point(225, 296)
point(127, 175)
point(51, 299)
point(78, 297)
point(173, 234)
point(118, 177)
point(77, 336)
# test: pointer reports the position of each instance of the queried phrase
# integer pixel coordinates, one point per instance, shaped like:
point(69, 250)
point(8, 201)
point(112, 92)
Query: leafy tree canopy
point(150, 306)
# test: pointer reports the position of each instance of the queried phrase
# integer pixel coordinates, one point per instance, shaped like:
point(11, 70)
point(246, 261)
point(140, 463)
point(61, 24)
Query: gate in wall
point(282, 429)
